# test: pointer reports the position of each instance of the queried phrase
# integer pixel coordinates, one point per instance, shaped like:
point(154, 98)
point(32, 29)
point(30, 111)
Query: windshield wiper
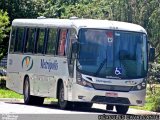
point(101, 66)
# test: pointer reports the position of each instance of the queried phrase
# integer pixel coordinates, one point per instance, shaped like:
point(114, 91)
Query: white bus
point(78, 61)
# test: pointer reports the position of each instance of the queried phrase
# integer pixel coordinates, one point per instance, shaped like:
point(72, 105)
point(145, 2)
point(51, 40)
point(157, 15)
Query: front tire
point(121, 109)
point(63, 104)
point(29, 99)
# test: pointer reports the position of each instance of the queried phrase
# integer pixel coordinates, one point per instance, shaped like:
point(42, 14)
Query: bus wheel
point(121, 109)
point(28, 99)
point(63, 104)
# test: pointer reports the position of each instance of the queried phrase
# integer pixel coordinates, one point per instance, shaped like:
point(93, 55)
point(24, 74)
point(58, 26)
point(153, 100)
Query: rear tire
point(63, 104)
point(29, 99)
point(121, 109)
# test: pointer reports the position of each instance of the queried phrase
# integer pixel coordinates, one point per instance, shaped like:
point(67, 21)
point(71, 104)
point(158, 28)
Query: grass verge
point(6, 93)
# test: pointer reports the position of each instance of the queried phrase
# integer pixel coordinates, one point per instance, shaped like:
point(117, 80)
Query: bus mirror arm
point(151, 54)
point(75, 47)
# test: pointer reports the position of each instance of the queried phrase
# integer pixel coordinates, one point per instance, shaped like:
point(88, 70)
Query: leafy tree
point(22, 8)
point(4, 29)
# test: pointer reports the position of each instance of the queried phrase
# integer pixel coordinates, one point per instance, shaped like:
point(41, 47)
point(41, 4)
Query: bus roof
point(79, 23)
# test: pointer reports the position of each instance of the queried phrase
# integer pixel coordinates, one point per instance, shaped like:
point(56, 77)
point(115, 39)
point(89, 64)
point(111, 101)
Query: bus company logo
point(49, 65)
point(27, 63)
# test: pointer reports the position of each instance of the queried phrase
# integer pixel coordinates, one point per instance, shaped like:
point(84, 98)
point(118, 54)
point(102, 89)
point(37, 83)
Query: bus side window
point(51, 43)
point(40, 40)
point(19, 40)
point(62, 42)
point(30, 36)
point(12, 40)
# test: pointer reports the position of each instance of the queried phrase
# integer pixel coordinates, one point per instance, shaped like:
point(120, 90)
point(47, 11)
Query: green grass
point(51, 100)
point(5, 93)
point(148, 106)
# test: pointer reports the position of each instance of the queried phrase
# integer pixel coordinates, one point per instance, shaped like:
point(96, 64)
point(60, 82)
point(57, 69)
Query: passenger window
point(51, 44)
point(62, 42)
point(30, 40)
point(19, 39)
point(12, 40)
point(40, 40)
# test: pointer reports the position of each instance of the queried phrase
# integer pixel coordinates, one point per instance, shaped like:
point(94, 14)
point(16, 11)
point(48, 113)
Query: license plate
point(111, 94)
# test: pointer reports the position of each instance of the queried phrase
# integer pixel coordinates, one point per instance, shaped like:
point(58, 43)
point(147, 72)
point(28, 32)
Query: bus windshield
point(112, 53)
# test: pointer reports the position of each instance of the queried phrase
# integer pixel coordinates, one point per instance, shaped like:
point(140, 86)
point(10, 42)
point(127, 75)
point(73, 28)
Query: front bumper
point(85, 94)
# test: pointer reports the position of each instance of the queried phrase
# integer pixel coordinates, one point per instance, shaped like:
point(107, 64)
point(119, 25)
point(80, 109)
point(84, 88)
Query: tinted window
point(51, 44)
point(12, 39)
point(30, 40)
point(19, 39)
point(112, 54)
point(40, 40)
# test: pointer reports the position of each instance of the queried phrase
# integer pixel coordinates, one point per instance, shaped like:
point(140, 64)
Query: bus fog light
point(84, 83)
point(139, 101)
point(138, 87)
point(143, 84)
point(79, 79)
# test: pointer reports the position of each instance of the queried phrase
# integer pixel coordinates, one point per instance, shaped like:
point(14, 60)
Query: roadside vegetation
point(6, 93)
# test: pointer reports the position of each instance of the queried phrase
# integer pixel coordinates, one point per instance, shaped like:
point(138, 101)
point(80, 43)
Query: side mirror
point(151, 54)
point(73, 37)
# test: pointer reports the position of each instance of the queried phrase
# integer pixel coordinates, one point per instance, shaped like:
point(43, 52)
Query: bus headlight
point(81, 81)
point(140, 86)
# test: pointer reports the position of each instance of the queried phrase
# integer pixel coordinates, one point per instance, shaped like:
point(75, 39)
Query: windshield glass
point(112, 54)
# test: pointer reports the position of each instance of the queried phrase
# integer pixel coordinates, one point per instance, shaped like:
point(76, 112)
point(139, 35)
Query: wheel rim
point(26, 91)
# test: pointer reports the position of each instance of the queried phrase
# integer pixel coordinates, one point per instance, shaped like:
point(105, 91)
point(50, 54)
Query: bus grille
point(111, 100)
point(112, 87)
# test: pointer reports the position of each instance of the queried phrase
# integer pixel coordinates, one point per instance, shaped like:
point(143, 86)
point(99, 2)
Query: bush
point(2, 83)
point(153, 91)
point(4, 29)
point(156, 101)
point(153, 76)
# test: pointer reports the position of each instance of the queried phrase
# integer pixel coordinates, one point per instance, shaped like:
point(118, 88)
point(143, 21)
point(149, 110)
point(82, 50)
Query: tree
point(4, 29)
